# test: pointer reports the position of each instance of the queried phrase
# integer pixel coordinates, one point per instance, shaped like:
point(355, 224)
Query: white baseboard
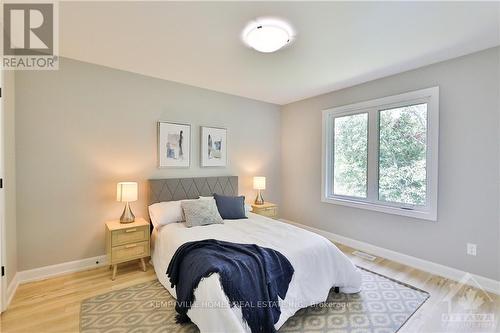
point(11, 290)
point(46, 272)
point(424, 265)
point(51, 271)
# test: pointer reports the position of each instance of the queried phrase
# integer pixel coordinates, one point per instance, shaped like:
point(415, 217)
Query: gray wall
point(8, 99)
point(468, 206)
point(83, 128)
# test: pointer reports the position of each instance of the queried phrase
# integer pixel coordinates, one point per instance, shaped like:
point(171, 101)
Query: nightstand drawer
point(269, 212)
point(129, 252)
point(130, 235)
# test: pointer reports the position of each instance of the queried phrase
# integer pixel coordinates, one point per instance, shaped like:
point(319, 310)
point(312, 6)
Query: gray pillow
point(201, 212)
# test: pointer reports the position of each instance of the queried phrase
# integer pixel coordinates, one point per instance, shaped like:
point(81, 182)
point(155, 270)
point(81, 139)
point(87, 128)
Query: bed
point(319, 265)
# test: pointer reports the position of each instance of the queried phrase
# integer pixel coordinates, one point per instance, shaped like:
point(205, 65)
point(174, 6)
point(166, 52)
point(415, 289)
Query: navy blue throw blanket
point(251, 276)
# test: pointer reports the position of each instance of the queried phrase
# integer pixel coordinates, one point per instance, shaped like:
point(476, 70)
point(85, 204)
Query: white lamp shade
point(259, 183)
point(126, 192)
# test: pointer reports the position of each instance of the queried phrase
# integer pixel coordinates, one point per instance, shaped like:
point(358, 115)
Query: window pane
point(402, 154)
point(351, 155)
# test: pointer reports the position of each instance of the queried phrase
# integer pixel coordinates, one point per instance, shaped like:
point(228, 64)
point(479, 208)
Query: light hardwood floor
point(53, 305)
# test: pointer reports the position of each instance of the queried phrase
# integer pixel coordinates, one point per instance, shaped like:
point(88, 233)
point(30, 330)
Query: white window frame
point(373, 107)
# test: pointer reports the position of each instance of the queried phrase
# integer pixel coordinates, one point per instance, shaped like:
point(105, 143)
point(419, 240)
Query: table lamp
point(259, 183)
point(126, 192)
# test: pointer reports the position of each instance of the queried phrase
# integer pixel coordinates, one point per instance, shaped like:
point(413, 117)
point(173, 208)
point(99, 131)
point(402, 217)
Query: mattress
point(319, 265)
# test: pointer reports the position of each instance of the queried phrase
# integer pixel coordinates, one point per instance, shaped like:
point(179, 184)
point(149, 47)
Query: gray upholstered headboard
point(190, 188)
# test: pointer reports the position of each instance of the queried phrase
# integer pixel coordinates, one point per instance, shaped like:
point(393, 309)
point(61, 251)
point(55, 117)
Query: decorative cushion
point(230, 208)
point(248, 208)
point(201, 212)
point(163, 213)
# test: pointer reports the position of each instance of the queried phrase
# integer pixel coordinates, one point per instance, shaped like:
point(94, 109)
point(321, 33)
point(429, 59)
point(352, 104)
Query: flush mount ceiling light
point(267, 34)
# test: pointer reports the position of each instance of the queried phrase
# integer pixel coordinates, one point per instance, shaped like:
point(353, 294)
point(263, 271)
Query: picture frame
point(174, 145)
point(214, 146)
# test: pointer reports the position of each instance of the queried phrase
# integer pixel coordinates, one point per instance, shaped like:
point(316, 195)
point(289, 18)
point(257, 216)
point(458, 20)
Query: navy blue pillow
point(230, 208)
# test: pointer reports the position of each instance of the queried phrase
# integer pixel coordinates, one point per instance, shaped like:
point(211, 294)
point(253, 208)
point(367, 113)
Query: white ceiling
point(337, 44)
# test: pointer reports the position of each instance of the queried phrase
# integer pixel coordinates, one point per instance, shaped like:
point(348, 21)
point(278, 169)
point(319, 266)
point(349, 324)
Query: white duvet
point(319, 265)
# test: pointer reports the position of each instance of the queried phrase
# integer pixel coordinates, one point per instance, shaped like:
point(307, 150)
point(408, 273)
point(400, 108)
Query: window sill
point(424, 215)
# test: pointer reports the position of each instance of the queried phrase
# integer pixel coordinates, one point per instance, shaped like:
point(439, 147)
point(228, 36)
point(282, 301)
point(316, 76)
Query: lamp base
point(259, 200)
point(127, 215)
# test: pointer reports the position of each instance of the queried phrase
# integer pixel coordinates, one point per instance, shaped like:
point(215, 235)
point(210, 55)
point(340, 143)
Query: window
point(351, 155)
point(382, 154)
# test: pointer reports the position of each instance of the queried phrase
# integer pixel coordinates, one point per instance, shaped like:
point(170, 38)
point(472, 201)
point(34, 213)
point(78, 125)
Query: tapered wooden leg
point(115, 267)
point(143, 265)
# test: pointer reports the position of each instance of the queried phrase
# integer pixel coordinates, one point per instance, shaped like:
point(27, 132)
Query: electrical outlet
point(471, 249)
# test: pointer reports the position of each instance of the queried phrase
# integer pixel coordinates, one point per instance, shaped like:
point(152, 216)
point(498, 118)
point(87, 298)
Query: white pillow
point(248, 208)
point(163, 213)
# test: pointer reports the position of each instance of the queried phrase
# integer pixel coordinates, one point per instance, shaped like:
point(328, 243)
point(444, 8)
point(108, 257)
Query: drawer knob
point(131, 230)
point(130, 246)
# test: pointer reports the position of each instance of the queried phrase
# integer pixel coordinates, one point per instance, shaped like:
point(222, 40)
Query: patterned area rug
point(383, 306)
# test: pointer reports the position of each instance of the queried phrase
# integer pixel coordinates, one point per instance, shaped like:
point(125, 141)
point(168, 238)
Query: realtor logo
point(29, 39)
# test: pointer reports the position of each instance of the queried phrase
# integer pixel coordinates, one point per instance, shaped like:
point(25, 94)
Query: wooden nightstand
point(126, 242)
point(267, 209)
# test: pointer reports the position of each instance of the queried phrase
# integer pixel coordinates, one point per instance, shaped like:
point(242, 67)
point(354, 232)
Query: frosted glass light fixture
point(267, 34)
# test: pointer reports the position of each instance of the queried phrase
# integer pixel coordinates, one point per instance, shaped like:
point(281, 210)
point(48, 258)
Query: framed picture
point(174, 145)
point(213, 147)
